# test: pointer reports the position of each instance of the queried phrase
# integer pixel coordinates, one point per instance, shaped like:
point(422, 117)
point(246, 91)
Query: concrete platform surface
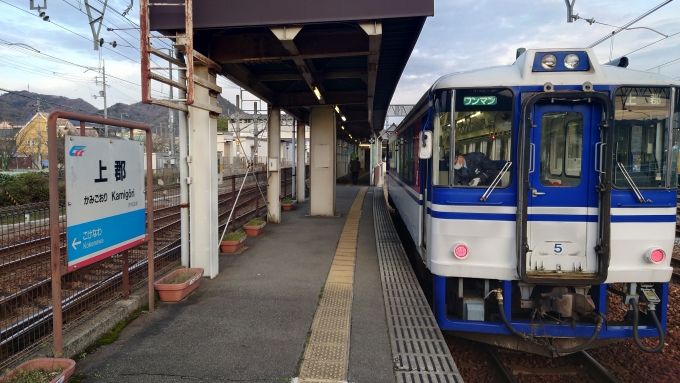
point(250, 324)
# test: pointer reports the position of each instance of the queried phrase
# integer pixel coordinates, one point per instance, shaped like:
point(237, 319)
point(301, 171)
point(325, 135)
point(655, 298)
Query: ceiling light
point(343, 127)
point(337, 109)
point(343, 118)
point(317, 93)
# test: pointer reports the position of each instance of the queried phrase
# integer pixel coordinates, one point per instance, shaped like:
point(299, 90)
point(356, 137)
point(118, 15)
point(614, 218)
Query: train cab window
point(482, 134)
point(561, 149)
point(643, 138)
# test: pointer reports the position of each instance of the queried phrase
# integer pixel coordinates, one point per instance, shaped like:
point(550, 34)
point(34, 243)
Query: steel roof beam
point(293, 100)
point(374, 32)
point(240, 75)
point(286, 35)
point(263, 47)
point(321, 75)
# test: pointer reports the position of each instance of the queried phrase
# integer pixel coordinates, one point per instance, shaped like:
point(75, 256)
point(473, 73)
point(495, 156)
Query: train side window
point(561, 148)
point(643, 137)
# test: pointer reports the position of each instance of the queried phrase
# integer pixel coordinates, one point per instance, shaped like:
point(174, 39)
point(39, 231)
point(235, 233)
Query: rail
point(25, 304)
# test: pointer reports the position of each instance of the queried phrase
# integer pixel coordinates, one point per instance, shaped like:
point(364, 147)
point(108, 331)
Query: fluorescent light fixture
point(337, 109)
point(317, 93)
point(365, 145)
point(343, 118)
point(476, 114)
point(343, 127)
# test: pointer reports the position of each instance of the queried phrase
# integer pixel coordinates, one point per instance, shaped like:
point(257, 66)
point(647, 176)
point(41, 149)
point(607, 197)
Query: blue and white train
point(581, 206)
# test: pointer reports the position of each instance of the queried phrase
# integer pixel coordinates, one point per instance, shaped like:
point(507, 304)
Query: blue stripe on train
point(549, 217)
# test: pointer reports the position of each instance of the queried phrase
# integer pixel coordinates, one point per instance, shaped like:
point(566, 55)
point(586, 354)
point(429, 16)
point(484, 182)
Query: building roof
point(352, 51)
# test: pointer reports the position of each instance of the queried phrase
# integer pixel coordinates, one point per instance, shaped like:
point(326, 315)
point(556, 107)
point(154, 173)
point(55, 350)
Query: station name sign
point(105, 207)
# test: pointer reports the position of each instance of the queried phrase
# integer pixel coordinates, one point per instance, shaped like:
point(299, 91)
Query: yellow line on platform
point(327, 353)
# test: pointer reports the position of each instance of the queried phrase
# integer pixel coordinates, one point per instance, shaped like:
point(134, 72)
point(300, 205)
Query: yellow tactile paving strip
point(327, 353)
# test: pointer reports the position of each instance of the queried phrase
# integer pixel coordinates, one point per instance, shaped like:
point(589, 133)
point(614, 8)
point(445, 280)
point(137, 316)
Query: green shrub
point(287, 200)
point(235, 236)
point(255, 222)
point(25, 188)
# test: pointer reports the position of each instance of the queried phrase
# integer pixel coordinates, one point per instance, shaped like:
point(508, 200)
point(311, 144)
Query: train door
point(562, 214)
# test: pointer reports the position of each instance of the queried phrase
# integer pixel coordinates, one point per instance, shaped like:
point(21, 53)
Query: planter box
point(230, 247)
point(177, 291)
point(287, 206)
point(254, 231)
point(68, 366)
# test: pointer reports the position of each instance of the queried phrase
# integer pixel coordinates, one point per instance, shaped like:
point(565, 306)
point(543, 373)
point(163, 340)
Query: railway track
point(675, 263)
point(100, 278)
point(580, 361)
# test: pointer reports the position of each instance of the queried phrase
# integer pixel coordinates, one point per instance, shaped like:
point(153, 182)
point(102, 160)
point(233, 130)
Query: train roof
point(522, 73)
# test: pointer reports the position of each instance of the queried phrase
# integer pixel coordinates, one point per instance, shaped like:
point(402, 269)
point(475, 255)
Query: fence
point(25, 271)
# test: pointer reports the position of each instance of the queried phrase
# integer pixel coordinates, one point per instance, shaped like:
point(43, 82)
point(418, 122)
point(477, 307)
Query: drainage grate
point(418, 348)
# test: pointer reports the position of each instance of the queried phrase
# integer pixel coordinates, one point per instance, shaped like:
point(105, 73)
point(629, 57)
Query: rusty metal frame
point(145, 49)
point(55, 245)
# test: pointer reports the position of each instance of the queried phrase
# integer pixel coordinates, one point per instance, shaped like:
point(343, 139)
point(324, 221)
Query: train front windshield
point(482, 120)
point(644, 142)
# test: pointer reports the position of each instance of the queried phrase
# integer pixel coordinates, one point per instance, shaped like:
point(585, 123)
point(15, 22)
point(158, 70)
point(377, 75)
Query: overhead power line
point(605, 38)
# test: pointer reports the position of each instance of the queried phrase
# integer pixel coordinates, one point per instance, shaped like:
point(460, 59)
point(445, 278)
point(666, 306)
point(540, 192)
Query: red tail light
point(460, 250)
point(655, 255)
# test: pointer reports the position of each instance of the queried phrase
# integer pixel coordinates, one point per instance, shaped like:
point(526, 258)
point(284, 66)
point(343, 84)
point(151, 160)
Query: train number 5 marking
point(558, 248)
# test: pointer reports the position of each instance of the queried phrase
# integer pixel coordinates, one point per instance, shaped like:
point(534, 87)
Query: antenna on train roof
point(620, 62)
point(520, 51)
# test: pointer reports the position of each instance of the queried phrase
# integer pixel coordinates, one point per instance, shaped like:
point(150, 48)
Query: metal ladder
point(185, 42)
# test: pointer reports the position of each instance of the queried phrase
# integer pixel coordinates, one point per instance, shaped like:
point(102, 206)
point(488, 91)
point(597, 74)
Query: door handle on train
point(536, 193)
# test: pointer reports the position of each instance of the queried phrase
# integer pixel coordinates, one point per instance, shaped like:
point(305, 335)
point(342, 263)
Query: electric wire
point(66, 29)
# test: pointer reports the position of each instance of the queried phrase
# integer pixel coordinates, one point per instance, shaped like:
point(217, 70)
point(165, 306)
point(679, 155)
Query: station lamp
point(317, 93)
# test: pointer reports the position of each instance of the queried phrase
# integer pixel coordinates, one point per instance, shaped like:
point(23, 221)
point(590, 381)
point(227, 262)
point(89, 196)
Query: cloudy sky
point(463, 35)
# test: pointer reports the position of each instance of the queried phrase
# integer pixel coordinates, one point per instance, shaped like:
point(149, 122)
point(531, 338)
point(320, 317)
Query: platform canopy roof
point(352, 51)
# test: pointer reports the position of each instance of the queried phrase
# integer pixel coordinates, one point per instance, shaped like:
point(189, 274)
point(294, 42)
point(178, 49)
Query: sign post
point(105, 198)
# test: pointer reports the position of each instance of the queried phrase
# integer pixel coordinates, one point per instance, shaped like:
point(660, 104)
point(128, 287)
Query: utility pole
point(102, 93)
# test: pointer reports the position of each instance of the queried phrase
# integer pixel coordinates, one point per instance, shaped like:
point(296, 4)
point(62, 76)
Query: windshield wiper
point(495, 182)
point(632, 184)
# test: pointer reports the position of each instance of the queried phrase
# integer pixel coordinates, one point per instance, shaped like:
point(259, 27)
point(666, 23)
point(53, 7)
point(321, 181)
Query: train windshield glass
point(643, 137)
point(482, 136)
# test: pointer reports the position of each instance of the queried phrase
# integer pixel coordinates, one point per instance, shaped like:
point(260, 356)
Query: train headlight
point(548, 61)
point(460, 250)
point(654, 255)
point(571, 61)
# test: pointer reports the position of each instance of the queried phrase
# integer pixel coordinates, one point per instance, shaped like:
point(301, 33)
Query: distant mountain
point(17, 108)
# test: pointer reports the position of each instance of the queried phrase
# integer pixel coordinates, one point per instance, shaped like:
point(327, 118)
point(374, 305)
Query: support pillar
point(274, 165)
point(322, 164)
point(203, 186)
point(301, 168)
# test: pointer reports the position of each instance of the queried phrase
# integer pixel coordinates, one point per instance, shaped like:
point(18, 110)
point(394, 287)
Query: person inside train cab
point(474, 169)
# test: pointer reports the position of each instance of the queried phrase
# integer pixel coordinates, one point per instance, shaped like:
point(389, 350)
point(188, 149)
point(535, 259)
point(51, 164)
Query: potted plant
point(287, 203)
point(232, 242)
point(254, 227)
point(52, 370)
point(178, 284)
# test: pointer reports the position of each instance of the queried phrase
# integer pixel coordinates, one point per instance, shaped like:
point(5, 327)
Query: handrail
point(496, 180)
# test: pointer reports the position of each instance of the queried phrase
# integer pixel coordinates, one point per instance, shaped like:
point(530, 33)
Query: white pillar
point(322, 164)
point(274, 150)
point(203, 187)
point(300, 175)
